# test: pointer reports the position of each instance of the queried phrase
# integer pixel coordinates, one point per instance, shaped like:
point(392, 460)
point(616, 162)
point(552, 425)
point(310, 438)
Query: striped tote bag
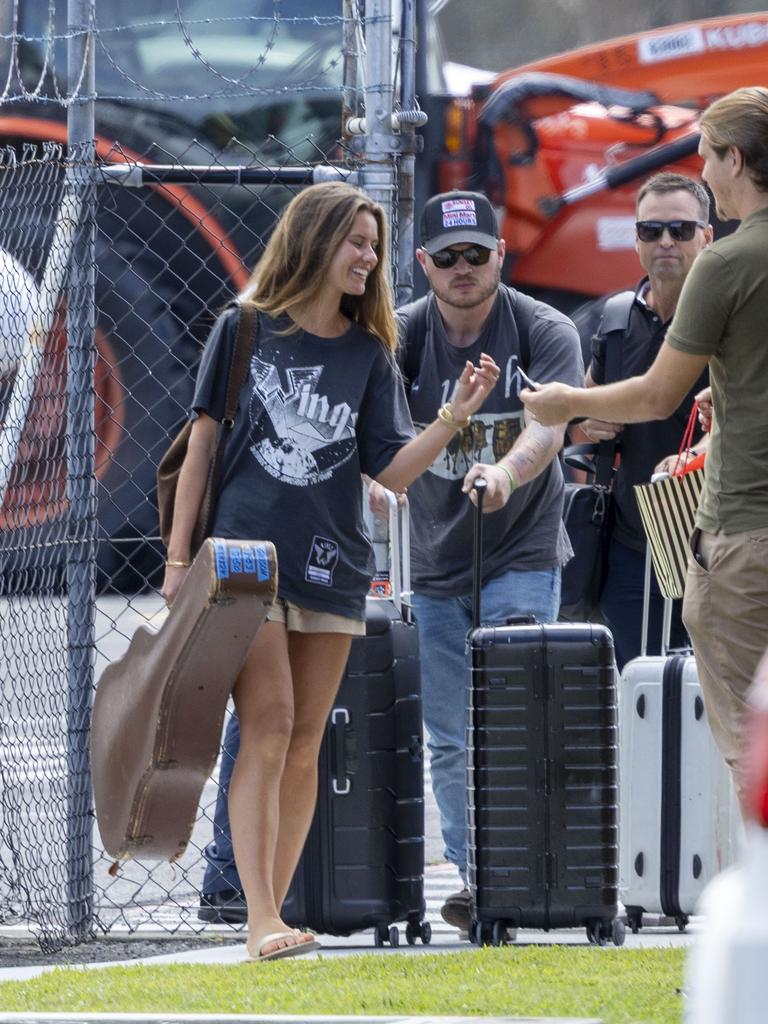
point(668, 509)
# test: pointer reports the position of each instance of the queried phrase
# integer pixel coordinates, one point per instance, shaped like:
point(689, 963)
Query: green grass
point(620, 986)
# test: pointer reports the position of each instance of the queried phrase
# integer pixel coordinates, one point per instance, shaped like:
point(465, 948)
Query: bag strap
point(238, 368)
point(241, 357)
point(687, 442)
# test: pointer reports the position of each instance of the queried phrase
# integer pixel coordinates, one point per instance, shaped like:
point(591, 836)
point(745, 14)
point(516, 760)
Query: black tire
point(618, 932)
point(426, 933)
point(498, 934)
point(681, 920)
point(412, 932)
point(379, 935)
point(394, 936)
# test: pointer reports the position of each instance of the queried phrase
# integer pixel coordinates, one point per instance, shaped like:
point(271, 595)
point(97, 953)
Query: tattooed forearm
point(533, 451)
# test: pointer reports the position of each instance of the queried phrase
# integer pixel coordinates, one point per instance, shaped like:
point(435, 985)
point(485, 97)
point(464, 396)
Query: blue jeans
point(220, 871)
point(443, 624)
point(621, 603)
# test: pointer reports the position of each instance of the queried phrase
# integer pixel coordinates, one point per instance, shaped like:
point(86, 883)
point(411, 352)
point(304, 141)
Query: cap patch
point(459, 213)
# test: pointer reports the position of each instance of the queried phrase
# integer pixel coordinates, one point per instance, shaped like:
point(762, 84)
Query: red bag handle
point(681, 466)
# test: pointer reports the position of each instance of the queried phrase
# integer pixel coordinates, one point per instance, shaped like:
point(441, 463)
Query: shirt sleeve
point(705, 306)
point(384, 424)
point(555, 349)
point(211, 385)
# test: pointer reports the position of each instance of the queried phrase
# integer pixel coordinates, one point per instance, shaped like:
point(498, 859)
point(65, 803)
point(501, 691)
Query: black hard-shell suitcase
point(363, 862)
point(542, 777)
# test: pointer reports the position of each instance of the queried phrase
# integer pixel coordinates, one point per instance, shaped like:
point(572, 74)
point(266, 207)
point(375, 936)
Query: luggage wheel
point(600, 933)
point(634, 919)
point(681, 920)
point(496, 934)
point(384, 935)
point(418, 930)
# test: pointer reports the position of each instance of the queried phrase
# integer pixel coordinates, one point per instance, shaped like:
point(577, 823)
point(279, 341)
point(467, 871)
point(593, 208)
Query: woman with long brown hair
point(323, 404)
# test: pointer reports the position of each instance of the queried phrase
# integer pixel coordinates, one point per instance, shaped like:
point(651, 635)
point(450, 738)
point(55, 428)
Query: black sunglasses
point(475, 256)
point(679, 230)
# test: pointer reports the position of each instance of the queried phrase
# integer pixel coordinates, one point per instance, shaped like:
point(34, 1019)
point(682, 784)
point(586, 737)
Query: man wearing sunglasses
point(469, 311)
point(672, 229)
point(720, 320)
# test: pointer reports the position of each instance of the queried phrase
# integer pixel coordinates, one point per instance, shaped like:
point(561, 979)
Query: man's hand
point(498, 490)
point(600, 430)
point(704, 398)
point(549, 404)
point(474, 384)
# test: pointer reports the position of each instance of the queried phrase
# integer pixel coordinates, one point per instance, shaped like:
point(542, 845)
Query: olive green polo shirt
point(723, 314)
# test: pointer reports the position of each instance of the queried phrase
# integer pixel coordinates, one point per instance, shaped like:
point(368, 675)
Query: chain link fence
point(121, 238)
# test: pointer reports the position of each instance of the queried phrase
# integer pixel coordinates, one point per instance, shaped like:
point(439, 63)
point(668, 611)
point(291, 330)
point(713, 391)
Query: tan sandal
point(294, 949)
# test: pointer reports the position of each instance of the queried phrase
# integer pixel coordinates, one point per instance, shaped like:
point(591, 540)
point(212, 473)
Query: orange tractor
point(561, 145)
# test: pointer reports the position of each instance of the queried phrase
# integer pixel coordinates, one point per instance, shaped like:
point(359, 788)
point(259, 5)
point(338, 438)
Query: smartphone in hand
point(522, 378)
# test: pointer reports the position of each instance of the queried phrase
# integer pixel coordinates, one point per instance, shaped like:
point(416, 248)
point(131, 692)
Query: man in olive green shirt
point(721, 320)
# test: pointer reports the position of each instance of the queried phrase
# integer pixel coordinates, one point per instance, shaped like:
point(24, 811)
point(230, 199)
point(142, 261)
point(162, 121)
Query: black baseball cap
point(453, 217)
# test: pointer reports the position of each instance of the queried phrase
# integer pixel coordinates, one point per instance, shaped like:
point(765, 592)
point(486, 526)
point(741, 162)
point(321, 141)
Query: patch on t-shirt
point(459, 213)
point(322, 560)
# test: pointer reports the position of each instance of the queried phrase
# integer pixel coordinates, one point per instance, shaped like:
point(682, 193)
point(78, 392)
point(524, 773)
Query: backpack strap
point(415, 333)
point(614, 324)
point(523, 309)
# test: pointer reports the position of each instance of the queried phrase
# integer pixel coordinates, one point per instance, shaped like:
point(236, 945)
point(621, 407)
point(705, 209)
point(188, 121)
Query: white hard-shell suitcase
point(678, 814)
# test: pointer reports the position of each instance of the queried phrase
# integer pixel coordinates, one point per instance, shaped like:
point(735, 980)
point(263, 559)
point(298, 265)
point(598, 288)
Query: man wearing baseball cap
point(469, 311)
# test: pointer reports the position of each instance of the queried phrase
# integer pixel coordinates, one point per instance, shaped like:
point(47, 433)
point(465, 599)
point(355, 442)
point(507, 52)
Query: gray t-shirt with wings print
point(314, 414)
point(528, 533)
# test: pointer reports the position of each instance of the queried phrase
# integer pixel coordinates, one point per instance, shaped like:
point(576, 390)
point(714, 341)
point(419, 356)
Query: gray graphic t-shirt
point(314, 414)
point(527, 534)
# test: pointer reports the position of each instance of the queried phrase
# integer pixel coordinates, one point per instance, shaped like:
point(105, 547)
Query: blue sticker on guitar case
point(222, 563)
point(249, 561)
point(262, 563)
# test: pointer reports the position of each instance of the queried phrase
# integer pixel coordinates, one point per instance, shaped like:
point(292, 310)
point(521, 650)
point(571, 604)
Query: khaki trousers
point(725, 611)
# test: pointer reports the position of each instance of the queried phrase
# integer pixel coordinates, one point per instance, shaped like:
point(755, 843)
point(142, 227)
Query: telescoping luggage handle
point(400, 554)
point(477, 551)
point(392, 553)
point(666, 622)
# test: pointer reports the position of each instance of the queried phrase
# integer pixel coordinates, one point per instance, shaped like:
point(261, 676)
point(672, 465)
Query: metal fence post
point(409, 119)
point(80, 570)
point(378, 176)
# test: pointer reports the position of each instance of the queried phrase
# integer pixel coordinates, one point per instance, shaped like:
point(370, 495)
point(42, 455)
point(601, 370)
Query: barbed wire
point(36, 59)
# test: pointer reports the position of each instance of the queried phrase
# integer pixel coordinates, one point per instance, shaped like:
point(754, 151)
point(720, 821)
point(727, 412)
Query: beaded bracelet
point(173, 564)
point(445, 414)
point(506, 469)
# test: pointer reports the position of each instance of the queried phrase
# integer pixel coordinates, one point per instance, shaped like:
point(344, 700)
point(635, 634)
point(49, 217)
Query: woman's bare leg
point(317, 665)
point(271, 798)
point(263, 696)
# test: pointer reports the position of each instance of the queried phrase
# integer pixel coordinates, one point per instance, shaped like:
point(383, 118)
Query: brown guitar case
point(158, 710)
